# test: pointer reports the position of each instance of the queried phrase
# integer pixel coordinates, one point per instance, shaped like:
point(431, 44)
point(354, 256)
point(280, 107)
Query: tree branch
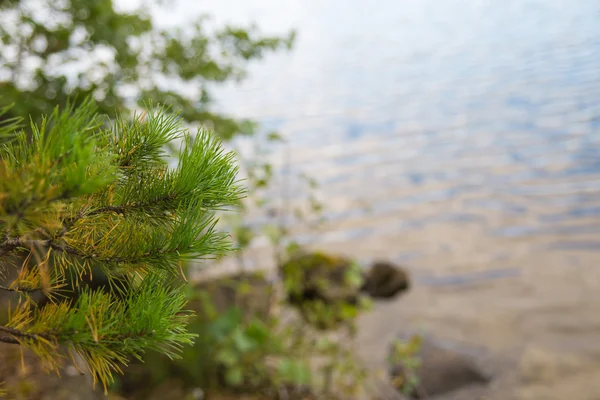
point(139, 206)
point(15, 332)
point(20, 334)
point(8, 339)
point(12, 243)
point(19, 289)
point(9, 245)
point(69, 222)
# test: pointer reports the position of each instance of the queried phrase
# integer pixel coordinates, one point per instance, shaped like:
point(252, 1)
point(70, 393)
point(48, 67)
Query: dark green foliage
point(77, 197)
point(138, 62)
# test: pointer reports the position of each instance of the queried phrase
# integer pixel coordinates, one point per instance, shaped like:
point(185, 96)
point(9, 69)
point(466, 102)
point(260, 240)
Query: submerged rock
point(439, 370)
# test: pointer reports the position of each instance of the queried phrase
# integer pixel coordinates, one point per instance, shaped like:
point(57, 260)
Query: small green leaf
point(242, 342)
point(292, 248)
point(258, 331)
point(365, 303)
point(294, 371)
point(275, 137)
point(244, 235)
point(234, 376)
point(348, 311)
point(226, 323)
point(353, 276)
point(227, 356)
point(261, 183)
point(268, 169)
point(298, 213)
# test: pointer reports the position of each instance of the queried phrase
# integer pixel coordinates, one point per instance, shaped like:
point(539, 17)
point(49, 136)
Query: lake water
point(467, 130)
point(461, 138)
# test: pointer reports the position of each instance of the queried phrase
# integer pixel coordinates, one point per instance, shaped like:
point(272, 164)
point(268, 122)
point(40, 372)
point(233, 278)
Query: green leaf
point(234, 376)
point(258, 331)
point(348, 311)
point(261, 183)
point(226, 323)
point(292, 248)
point(244, 235)
point(275, 137)
point(227, 356)
point(242, 342)
point(294, 371)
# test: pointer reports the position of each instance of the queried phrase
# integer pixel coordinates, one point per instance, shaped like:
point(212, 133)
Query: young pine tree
point(79, 195)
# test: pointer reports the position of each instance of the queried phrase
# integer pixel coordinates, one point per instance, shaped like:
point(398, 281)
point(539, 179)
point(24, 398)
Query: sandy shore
point(527, 306)
point(538, 334)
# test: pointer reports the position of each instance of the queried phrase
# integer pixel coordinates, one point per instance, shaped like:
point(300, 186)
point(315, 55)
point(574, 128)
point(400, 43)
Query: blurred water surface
point(469, 129)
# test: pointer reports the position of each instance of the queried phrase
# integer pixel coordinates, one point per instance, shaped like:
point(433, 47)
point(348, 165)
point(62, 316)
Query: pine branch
point(17, 288)
point(104, 329)
point(16, 333)
point(8, 245)
point(60, 161)
point(11, 244)
point(78, 197)
point(9, 340)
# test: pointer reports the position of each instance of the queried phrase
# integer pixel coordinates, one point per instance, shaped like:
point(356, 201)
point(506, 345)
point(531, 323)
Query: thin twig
point(8, 339)
point(69, 222)
point(12, 243)
point(19, 289)
point(19, 333)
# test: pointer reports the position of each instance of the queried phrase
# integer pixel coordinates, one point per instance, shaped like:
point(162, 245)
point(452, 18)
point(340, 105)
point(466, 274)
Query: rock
point(320, 276)
point(442, 370)
point(324, 288)
point(251, 292)
point(385, 280)
point(328, 289)
point(310, 276)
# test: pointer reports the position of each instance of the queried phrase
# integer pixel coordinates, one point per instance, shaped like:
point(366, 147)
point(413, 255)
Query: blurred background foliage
point(53, 49)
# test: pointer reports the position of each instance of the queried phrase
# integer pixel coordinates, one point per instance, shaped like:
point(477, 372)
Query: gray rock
point(443, 369)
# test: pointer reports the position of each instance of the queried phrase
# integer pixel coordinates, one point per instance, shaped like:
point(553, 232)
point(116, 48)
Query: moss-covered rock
point(325, 288)
point(330, 289)
point(331, 278)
